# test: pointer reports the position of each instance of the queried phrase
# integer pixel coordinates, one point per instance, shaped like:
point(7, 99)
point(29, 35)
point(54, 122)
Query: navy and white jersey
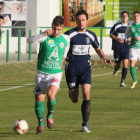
point(80, 45)
point(118, 30)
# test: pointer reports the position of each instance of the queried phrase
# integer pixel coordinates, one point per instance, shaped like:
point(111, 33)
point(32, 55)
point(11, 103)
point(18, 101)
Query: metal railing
point(30, 34)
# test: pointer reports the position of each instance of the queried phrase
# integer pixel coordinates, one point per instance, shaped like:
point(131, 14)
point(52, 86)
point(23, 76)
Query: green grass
point(115, 113)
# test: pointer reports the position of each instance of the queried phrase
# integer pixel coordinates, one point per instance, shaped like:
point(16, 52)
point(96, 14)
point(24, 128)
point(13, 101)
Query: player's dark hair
point(58, 21)
point(1, 17)
point(136, 12)
point(124, 12)
point(82, 12)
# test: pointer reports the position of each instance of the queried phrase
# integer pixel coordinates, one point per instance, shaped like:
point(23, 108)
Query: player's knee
point(50, 96)
point(86, 95)
point(124, 66)
point(40, 98)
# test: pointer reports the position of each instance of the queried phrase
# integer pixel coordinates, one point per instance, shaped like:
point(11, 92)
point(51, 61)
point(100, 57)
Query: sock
point(85, 109)
point(124, 73)
point(50, 106)
point(133, 73)
point(39, 110)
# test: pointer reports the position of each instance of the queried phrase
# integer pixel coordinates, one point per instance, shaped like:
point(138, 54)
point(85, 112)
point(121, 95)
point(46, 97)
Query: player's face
point(124, 17)
point(81, 22)
point(136, 18)
point(1, 21)
point(57, 30)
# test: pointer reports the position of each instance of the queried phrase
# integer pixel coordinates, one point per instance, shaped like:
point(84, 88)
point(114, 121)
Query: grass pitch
point(115, 113)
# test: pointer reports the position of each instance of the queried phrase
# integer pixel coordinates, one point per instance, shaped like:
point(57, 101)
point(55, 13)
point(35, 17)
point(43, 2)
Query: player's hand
point(121, 40)
point(128, 42)
point(48, 32)
point(137, 39)
point(108, 61)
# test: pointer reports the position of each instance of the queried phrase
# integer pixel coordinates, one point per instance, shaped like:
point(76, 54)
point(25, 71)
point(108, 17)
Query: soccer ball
point(20, 126)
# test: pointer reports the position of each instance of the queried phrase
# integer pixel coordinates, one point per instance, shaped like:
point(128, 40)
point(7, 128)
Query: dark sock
point(124, 73)
point(85, 109)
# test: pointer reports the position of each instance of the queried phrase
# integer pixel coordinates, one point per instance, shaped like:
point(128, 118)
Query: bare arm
point(116, 38)
point(102, 55)
point(63, 61)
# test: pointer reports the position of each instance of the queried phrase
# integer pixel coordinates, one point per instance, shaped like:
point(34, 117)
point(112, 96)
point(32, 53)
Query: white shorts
point(134, 54)
point(44, 80)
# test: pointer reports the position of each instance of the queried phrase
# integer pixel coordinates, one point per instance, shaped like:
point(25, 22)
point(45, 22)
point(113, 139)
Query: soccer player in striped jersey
point(134, 55)
point(52, 52)
point(120, 48)
point(78, 68)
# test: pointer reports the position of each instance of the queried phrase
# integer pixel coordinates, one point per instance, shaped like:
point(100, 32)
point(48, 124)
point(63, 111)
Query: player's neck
point(81, 30)
point(124, 22)
point(136, 23)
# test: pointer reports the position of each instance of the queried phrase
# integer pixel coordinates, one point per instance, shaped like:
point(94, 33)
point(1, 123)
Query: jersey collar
point(136, 23)
point(58, 36)
point(124, 24)
point(80, 32)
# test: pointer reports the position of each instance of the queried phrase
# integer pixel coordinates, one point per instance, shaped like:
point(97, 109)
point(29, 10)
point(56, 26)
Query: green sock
point(39, 110)
point(50, 106)
point(133, 73)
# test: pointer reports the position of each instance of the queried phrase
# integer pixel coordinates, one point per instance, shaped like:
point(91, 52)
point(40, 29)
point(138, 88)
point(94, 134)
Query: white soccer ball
point(20, 126)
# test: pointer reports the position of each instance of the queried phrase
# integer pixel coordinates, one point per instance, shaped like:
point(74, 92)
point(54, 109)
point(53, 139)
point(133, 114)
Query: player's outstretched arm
point(102, 55)
point(39, 37)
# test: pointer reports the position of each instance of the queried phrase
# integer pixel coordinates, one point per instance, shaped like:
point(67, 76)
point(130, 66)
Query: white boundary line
point(15, 87)
point(33, 83)
point(101, 74)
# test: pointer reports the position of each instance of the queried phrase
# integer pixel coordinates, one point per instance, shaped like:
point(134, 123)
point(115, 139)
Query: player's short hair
point(136, 12)
point(82, 12)
point(58, 21)
point(124, 12)
point(1, 17)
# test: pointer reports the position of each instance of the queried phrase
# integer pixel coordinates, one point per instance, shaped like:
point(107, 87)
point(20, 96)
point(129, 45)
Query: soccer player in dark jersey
point(121, 49)
point(78, 68)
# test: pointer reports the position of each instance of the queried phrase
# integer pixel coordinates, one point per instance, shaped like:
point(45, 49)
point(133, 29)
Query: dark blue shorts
point(121, 54)
point(78, 73)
